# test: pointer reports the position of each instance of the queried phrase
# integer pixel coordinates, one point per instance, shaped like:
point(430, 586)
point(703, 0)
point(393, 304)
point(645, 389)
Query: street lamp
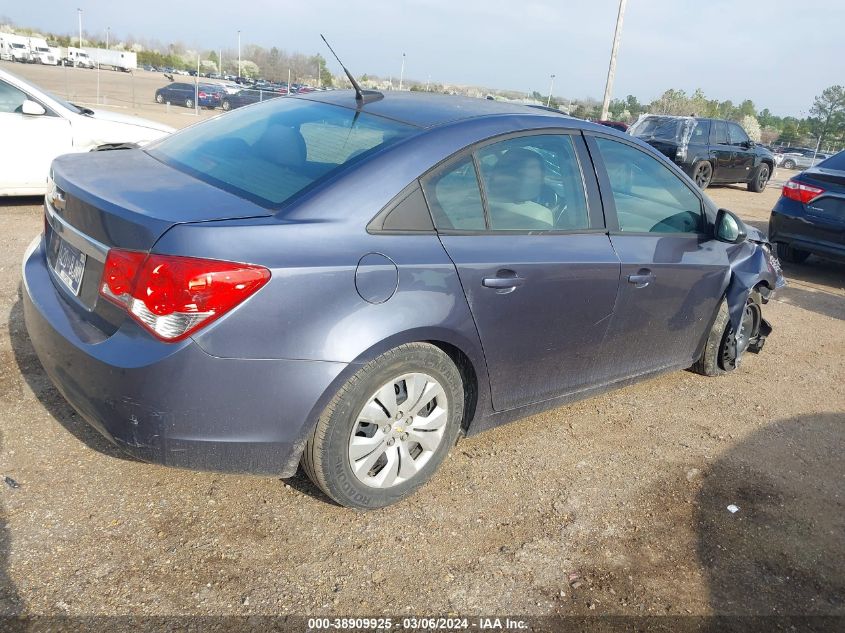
point(402, 72)
point(108, 32)
point(551, 87)
point(239, 54)
point(79, 15)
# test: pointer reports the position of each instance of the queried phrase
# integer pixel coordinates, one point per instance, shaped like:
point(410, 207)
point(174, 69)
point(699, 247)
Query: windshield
point(272, 151)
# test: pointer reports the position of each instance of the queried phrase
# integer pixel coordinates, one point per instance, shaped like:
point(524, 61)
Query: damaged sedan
point(350, 281)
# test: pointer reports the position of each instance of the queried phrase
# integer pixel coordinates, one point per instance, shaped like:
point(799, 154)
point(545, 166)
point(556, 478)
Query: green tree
point(326, 78)
point(829, 113)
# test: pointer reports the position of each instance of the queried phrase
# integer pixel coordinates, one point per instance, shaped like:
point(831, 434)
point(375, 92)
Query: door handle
point(503, 283)
point(643, 278)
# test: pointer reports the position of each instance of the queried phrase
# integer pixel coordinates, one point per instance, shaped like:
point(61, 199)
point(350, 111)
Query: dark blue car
point(352, 284)
point(809, 217)
point(189, 94)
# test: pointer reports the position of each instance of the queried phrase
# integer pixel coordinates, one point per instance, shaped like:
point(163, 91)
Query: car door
point(521, 220)
point(673, 270)
point(743, 159)
point(722, 152)
point(30, 143)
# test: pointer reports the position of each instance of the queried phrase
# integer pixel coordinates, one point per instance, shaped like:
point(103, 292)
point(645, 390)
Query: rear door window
point(454, 197)
point(719, 133)
point(649, 198)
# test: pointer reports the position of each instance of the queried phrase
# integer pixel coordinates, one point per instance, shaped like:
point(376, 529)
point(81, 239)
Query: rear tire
point(792, 255)
point(189, 103)
point(759, 178)
point(226, 105)
point(721, 354)
point(702, 174)
point(788, 164)
point(351, 481)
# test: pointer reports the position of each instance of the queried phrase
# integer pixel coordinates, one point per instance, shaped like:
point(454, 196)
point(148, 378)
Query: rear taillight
point(202, 95)
point(175, 296)
point(796, 190)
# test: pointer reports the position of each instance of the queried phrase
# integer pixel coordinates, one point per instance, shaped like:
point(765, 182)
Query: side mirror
point(32, 108)
point(729, 228)
point(749, 144)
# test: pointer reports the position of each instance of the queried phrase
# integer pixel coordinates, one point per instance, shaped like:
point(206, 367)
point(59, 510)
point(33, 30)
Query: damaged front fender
point(752, 265)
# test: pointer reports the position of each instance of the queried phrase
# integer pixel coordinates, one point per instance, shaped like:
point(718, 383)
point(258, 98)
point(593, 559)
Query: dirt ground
point(614, 505)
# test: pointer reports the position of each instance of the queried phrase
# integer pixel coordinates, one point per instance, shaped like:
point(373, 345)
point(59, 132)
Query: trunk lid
point(128, 199)
point(124, 199)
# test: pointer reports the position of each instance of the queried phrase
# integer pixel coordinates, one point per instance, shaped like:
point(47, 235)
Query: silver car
point(801, 160)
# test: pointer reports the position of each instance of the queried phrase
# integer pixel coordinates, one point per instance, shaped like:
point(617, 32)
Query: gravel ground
point(614, 505)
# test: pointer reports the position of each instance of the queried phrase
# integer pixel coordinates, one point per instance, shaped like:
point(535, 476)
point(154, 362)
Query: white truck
point(117, 59)
point(76, 57)
point(40, 52)
point(14, 48)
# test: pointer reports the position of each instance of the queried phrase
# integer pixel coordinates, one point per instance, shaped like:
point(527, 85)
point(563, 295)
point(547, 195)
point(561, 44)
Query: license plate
point(69, 265)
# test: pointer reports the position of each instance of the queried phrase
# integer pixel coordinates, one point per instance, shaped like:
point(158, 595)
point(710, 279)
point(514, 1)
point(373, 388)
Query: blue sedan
point(350, 284)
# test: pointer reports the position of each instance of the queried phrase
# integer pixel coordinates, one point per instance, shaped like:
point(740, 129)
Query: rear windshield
point(658, 127)
point(274, 150)
point(837, 161)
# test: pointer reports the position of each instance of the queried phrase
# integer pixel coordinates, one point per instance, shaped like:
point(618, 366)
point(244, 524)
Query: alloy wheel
point(703, 175)
point(398, 430)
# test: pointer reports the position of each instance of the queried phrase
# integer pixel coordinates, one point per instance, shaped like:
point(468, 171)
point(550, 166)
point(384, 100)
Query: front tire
point(226, 105)
point(388, 428)
point(759, 178)
point(723, 352)
point(788, 164)
point(159, 98)
point(702, 174)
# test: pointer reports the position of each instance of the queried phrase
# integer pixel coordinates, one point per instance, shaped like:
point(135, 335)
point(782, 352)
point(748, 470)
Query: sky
point(780, 54)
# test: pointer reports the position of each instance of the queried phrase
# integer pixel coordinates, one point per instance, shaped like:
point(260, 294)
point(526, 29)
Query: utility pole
point(551, 87)
point(611, 70)
point(108, 32)
point(402, 72)
point(79, 15)
point(239, 54)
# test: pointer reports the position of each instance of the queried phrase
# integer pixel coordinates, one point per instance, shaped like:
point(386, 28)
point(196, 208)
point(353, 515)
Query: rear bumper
point(174, 404)
point(791, 226)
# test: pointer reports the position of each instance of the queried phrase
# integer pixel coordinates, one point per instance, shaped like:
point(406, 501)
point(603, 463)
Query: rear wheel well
point(468, 377)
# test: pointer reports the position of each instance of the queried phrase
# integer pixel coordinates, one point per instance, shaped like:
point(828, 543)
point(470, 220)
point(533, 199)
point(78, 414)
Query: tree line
point(824, 125)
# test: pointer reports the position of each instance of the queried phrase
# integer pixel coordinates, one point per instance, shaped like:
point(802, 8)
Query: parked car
point(710, 151)
point(185, 93)
point(809, 217)
point(353, 282)
point(36, 127)
point(801, 158)
point(616, 125)
point(247, 97)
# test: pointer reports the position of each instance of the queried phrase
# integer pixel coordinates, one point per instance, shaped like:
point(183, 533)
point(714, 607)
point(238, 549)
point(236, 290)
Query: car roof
point(429, 110)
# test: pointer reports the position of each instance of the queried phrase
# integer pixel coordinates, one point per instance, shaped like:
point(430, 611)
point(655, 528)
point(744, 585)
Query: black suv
point(709, 150)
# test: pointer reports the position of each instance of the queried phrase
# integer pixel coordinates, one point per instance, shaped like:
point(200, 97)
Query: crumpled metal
point(750, 263)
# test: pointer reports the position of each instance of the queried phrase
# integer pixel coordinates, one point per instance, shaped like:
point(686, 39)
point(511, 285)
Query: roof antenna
point(361, 96)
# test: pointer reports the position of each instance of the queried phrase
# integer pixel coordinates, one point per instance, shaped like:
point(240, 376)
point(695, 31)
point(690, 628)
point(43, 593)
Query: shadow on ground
point(11, 603)
point(781, 553)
